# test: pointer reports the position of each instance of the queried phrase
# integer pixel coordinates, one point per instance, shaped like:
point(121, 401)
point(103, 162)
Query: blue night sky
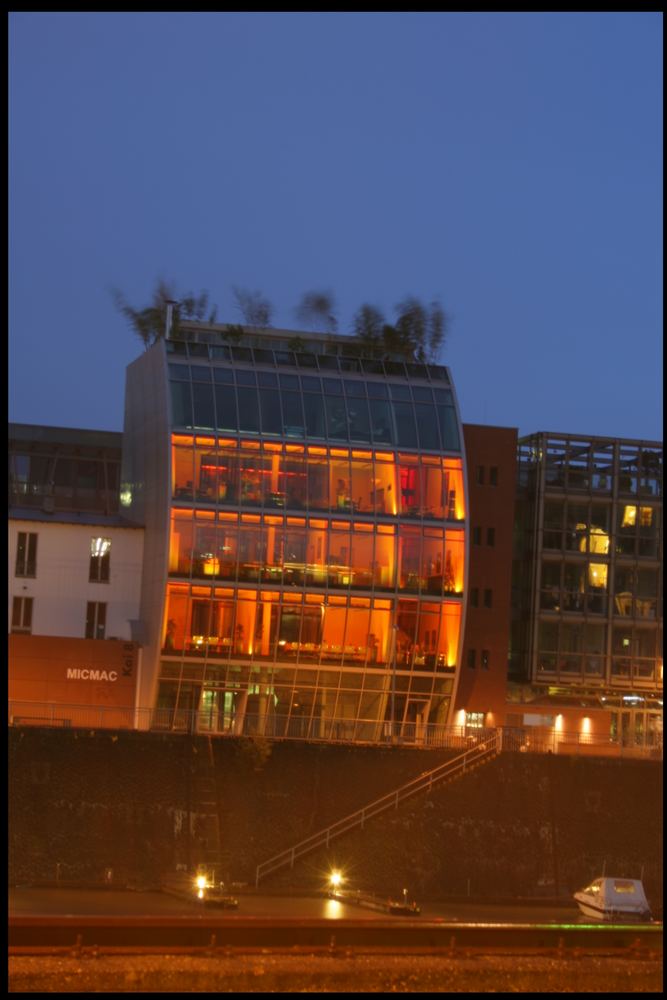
point(509, 164)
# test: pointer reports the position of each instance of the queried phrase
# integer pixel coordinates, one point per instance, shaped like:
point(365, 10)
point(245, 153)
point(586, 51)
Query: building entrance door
point(636, 727)
point(414, 721)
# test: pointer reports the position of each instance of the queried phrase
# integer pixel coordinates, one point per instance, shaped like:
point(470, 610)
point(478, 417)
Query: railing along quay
point(210, 935)
point(482, 751)
point(525, 739)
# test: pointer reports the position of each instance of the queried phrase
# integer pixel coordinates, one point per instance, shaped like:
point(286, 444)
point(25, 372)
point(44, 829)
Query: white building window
point(22, 614)
point(100, 556)
point(26, 554)
point(96, 619)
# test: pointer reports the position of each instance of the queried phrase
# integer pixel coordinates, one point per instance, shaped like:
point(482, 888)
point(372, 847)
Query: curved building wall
point(317, 545)
point(144, 499)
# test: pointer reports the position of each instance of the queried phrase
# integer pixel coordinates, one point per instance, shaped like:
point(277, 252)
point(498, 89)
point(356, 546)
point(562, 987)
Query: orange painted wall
point(38, 667)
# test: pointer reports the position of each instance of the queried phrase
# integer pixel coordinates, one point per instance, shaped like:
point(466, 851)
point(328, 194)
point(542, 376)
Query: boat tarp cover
point(617, 894)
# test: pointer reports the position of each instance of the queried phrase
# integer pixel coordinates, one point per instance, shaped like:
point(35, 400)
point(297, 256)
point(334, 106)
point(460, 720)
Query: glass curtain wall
point(257, 474)
point(599, 585)
point(317, 548)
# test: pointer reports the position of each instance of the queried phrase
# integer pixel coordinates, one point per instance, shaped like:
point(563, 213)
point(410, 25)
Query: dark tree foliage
point(233, 332)
point(368, 327)
point(411, 323)
point(253, 306)
point(149, 323)
point(419, 332)
point(438, 328)
point(317, 310)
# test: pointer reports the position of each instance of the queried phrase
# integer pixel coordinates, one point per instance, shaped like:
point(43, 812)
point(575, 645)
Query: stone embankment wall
point(521, 824)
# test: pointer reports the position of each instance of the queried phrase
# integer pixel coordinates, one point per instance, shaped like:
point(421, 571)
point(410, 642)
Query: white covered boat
point(614, 898)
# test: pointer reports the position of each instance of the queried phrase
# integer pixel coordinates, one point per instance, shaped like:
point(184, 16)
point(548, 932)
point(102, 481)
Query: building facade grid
point(588, 574)
point(316, 557)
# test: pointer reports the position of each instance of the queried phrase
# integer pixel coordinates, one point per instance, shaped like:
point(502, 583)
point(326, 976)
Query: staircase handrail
point(487, 746)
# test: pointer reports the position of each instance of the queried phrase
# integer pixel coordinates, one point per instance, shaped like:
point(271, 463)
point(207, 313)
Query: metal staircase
point(485, 749)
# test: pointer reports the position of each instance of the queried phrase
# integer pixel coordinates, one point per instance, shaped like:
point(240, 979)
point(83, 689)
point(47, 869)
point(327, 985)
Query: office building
point(587, 628)
point(306, 534)
point(304, 541)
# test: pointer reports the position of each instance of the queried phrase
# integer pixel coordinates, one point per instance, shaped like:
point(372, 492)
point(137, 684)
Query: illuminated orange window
point(339, 452)
point(296, 520)
point(450, 628)
point(314, 598)
point(269, 519)
point(385, 529)
point(226, 443)
point(454, 561)
point(185, 439)
point(597, 574)
point(271, 446)
point(646, 517)
point(180, 543)
point(317, 524)
point(182, 474)
point(223, 592)
point(270, 595)
point(384, 456)
point(360, 526)
point(629, 517)
point(250, 518)
point(201, 591)
point(295, 449)
point(207, 441)
point(313, 450)
point(455, 508)
point(222, 516)
point(175, 617)
point(252, 445)
point(362, 454)
point(382, 605)
point(208, 515)
point(181, 512)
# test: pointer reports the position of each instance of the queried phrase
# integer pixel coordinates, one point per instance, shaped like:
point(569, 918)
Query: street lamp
point(335, 879)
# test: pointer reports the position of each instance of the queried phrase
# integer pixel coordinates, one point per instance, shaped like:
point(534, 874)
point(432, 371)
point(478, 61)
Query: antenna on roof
point(169, 317)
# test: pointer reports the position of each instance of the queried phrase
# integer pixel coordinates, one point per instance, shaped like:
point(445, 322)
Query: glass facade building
point(56, 469)
point(588, 575)
point(305, 515)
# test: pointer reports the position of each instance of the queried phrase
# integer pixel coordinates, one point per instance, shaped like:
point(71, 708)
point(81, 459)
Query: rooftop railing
point(323, 357)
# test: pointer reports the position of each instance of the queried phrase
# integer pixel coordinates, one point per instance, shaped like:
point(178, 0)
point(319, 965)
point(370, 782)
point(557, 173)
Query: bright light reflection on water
point(333, 910)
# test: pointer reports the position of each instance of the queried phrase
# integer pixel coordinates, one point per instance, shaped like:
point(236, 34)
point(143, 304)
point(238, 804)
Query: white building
point(74, 576)
point(74, 579)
